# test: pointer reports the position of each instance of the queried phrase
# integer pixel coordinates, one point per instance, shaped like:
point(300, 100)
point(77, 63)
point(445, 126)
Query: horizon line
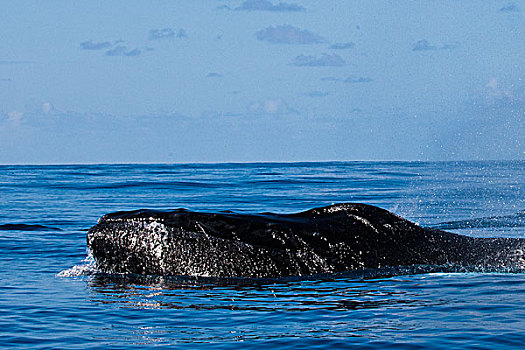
point(267, 162)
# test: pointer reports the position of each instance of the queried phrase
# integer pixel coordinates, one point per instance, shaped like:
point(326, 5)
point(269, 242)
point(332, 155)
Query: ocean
point(52, 298)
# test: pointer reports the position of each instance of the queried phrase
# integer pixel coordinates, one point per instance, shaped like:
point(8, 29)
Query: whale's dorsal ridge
point(140, 215)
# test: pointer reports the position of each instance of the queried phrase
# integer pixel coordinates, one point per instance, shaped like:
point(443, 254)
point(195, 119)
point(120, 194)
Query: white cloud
point(122, 50)
point(287, 34)
point(90, 45)
point(353, 79)
point(15, 116)
point(271, 107)
point(424, 45)
point(356, 80)
point(266, 5)
point(325, 60)
point(116, 48)
point(492, 83)
point(254, 107)
point(166, 33)
point(511, 7)
point(47, 107)
point(502, 92)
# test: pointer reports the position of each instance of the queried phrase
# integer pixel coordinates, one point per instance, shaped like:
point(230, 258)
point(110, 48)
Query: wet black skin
point(337, 238)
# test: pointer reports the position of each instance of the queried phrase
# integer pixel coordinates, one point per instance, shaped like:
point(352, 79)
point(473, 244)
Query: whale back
point(330, 239)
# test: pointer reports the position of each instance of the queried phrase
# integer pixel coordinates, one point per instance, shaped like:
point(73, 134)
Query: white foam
point(86, 268)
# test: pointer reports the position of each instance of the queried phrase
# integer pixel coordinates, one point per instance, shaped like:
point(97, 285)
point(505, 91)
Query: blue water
point(49, 299)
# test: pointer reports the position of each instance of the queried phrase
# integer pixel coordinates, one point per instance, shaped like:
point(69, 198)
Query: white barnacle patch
point(277, 237)
point(335, 209)
point(154, 226)
point(365, 222)
point(203, 231)
point(156, 241)
point(518, 255)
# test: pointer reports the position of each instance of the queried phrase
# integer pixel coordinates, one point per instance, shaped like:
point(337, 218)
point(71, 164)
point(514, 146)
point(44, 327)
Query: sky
point(259, 80)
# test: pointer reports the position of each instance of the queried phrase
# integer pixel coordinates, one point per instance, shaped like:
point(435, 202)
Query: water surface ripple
point(45, 211)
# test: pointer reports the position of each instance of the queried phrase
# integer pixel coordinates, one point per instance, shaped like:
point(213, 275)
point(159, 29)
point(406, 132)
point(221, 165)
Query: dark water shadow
point(353, 290)
point(27, 227)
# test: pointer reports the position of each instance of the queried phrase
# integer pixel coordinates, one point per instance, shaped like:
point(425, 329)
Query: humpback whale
point(331, 239)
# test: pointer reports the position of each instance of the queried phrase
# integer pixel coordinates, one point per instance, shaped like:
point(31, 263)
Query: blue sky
point(259, 80)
